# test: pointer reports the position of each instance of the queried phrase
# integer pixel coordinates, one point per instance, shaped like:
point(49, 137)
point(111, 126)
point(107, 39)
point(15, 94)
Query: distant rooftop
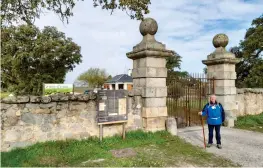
point(124, 78)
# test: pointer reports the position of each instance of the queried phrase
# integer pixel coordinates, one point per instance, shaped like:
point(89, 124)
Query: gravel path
point(240, 146)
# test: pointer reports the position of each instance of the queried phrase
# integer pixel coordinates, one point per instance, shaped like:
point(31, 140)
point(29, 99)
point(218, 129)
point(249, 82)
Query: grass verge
point(250, 122)
point(153, 149)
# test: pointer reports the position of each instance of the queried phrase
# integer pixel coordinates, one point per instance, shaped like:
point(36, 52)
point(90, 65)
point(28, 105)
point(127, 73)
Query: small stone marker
point(127, 152)
point(171, 125)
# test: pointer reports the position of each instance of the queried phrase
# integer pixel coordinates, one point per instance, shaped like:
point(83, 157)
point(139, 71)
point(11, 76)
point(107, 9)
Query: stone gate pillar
point(221, 66)
point(149, 76)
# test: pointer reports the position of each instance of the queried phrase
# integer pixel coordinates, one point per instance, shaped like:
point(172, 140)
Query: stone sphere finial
point(220, 40)
point(148, 26)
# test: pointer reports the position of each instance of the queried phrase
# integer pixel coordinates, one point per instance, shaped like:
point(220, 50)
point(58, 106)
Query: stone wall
point(249, 101)
point(29, 119)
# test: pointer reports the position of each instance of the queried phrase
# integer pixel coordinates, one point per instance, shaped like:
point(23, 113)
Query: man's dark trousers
point(211, 132)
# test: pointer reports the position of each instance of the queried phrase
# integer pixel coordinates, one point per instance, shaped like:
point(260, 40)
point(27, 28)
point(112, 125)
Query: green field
point(250, 122)
point(158, 149)
point(80, 89)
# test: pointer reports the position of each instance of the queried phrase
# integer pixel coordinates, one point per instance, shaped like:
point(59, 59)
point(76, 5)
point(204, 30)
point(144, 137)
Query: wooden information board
point(113, 106)
point(112, 109)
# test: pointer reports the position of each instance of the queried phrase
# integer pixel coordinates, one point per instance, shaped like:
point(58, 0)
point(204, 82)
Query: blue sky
point(185, 26)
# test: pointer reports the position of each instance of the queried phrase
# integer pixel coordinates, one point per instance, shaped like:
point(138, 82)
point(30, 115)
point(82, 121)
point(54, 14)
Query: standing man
point(215, 117)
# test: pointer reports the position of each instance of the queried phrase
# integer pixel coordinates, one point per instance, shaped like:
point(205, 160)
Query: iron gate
point(187, 96)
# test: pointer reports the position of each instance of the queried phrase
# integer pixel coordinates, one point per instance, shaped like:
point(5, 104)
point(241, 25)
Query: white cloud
point(186, 26)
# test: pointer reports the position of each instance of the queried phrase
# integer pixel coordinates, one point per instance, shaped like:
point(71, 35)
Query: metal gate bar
point(186, 96)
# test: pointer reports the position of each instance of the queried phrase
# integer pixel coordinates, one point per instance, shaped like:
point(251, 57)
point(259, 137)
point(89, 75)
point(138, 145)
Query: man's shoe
point(219, 146)
point(208, 145)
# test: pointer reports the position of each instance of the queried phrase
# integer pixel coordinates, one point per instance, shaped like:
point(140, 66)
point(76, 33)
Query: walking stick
point(203, 130)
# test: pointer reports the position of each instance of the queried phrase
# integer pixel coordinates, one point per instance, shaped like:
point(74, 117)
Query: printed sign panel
point(102, 106)
point(115, 106)
point(49, 89)
point(122, 106)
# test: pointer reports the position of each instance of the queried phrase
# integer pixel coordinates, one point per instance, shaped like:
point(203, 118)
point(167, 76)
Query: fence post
point(221, 66)
point(149, 76)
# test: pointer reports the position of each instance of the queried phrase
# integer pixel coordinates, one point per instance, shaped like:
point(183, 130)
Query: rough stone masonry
point(149, 76)
point(26, 120)
point(249, 101)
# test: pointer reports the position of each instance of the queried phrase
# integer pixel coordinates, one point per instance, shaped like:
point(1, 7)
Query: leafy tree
point(27, 10)
point(109, 77)
point(250, 68)
point(172, 63)
point(255, 76)
point(31, 57)
point(95, 77)
point(178, 74)
point(205, 70)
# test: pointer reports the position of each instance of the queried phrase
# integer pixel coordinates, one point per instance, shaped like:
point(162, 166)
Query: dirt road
point(240, 146)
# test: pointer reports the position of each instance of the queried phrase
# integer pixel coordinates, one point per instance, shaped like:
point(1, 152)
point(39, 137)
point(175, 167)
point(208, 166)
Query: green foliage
point(95, 77)
point(250, 122)
point(31, 57)
point(177, 74)
point(250, 68)
point(109, 77)
point(205, 70)
point(28, 10)
point(4, 94)
point(172, 75)
point(158, 149)
point(173, 62)
point(255, 76)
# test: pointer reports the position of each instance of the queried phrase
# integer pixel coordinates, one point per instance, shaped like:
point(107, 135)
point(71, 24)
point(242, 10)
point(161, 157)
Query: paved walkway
point(240, 146)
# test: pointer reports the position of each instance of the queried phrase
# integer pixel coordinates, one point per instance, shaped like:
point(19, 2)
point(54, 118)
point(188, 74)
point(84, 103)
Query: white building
point(118, 82)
